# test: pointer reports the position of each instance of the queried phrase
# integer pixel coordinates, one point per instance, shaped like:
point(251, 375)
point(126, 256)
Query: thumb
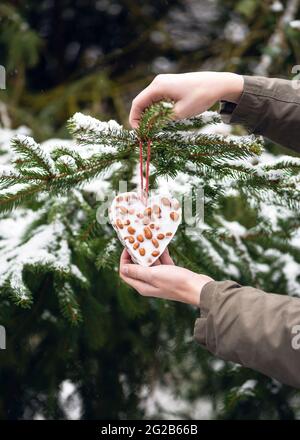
point(181, 109)
point(187, 107)
point(136, 272)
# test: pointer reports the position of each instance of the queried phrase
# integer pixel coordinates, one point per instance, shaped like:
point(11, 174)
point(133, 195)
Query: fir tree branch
point(194, 123)
point(26, 148)
point(153, 119)
point(55, 182)
point(67, 302)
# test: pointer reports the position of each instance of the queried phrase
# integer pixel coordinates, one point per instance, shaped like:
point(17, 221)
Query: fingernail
point(124, 269)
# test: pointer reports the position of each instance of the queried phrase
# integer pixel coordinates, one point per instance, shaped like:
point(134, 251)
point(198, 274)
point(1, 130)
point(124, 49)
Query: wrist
point(233, 87)
point(196, 282)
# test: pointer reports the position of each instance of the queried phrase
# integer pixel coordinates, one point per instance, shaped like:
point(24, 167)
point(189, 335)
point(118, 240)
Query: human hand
point(193, 93)
point(163, 279)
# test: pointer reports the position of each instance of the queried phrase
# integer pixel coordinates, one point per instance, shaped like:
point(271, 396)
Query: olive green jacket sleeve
point(255, 329)
point(241, 324)
point(270, 107)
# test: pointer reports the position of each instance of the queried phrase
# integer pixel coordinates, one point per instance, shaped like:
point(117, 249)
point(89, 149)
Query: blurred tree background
point(95, 56)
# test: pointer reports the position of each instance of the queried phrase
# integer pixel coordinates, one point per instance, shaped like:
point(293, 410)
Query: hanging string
point(145, 190)
point(147, 167)
point(141, 168)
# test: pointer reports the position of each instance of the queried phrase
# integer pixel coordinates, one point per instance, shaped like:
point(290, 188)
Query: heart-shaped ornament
point(145, 230)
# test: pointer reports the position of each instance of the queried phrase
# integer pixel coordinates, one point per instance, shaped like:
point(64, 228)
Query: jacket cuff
point(249, 107)
point(200, 328)
point(208, 297)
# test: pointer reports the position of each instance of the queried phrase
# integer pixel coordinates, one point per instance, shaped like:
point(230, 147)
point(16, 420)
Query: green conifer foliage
point(59, 282)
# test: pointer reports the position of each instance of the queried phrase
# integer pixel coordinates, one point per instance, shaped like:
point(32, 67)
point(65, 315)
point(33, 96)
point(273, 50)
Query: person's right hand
point(193, 93)
point(163, 279)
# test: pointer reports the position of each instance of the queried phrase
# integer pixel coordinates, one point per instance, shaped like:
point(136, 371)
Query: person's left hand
point(163, 279)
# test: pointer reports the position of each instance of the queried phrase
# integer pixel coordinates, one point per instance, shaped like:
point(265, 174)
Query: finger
point(136, 272)
point(143, 288)
point(149, 95)
point(156, 263)
point(165, 258)
point(125, 257)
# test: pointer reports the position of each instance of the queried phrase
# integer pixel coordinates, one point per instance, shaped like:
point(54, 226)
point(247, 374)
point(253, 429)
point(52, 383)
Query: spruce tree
point(59, 284)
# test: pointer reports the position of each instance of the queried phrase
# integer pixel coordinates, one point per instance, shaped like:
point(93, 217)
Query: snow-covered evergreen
point(47, 182)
